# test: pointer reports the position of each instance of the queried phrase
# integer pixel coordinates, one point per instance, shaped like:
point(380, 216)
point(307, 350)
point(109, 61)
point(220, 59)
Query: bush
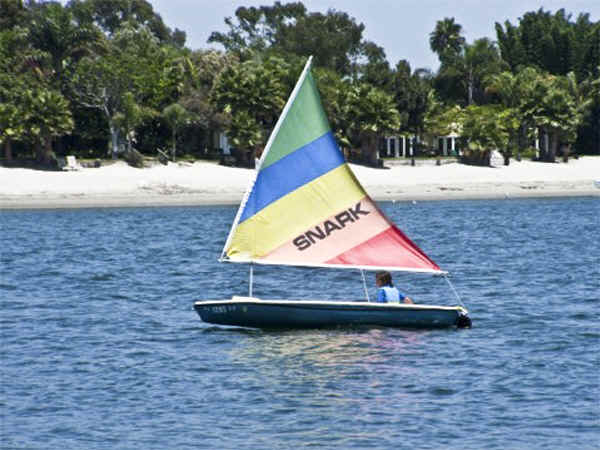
point(529, 153)
point(134, 158)
point(476, 157)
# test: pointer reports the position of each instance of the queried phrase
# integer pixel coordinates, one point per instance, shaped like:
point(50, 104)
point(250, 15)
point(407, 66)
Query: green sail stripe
point(304, 122)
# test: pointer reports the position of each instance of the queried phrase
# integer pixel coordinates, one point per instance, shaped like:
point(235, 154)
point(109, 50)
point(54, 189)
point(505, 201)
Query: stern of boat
point(463, 320)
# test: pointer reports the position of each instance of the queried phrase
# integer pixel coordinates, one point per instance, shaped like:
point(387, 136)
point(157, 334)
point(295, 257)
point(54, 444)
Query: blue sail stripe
point(293, 171)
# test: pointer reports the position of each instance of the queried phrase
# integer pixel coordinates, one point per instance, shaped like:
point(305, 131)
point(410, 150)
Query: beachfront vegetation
point(98, 78)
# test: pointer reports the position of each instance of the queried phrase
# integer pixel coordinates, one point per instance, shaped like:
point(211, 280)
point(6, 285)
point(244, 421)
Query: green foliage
point(553, 108)
point(552, 43)
point(486, 128)
point(54, 31)
point(411, 94)
point(462, 76)
point(133, 70)
point(333, 90)
point(252, 94)
point(446, 39)
point(176, 116)
point(255, 29)
point(48, 115)
point(440, 119)
point(111, 15)
point(334, 38)
point(12, 83)
point(134, 158)
point(376, 70)
point(370, 113)
point(371, 110)
point(90, 72)
point(11, 126)
point(129, 117)
point(588, 135)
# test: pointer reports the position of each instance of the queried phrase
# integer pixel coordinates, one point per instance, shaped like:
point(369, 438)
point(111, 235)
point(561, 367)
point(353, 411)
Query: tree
point(371, 113)
point(255, 29)
point(461, 76)
point(176, 116)
point(111, 15)
point(513, 92)
point(200, 71)
point(252, 94)
point(552, 43)
point(486, 128)
point(13, 13)
point(14, 80)
point(588, 135)
point(441, 119)
point(552, 107)
point(48, 116)
point(11, 127)
point(54, 30)
point(411, 94)
point(334, 91)
point(129, 117)
point(583, 105)
point(446, 39)
point(376, 69)
point(334, 38)
point(133, 63)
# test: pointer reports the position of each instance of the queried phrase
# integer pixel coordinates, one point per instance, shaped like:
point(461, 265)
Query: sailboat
point(304, 207)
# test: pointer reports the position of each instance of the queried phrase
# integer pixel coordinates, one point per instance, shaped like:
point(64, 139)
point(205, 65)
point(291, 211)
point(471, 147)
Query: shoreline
point(192, 200)
point(203, 184)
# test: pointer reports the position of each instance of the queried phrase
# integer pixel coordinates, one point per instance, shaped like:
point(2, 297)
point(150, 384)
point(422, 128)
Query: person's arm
point(405, 299)
point(380, 296)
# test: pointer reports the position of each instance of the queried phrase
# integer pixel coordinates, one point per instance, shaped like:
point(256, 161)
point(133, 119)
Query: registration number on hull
point(221, 309)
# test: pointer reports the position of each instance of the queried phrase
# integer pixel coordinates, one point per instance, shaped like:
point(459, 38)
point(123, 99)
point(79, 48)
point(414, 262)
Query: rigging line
point(454, 290)
point(362, 272)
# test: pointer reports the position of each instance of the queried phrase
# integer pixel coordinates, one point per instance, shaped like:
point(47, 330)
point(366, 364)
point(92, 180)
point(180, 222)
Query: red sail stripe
point(382, 250)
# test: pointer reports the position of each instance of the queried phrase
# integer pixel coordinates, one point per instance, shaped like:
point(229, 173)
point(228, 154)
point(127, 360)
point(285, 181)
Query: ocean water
point(101, 348)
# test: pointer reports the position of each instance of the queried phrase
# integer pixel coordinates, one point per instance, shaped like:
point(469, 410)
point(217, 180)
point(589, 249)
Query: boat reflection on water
point(333, 348)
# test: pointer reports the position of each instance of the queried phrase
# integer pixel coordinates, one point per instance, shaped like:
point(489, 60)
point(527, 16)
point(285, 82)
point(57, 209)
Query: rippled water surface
point(101, 347)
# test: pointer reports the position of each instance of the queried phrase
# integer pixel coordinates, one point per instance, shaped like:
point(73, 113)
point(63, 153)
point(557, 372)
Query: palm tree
point(487, 128)
point(467, 70)
point(553, 108)
point(512, 92)
point(371, 113)
point(446, 39)
point(48, 116)
point(584, 98)
point(176, 116)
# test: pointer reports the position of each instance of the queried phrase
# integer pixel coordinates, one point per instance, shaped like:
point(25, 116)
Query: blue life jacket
point(389, 294)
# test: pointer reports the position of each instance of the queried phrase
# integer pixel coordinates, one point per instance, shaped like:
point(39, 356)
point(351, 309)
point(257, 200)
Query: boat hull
point(255, 313)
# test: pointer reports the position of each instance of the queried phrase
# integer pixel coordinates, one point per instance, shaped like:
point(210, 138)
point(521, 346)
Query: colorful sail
point(305, 207)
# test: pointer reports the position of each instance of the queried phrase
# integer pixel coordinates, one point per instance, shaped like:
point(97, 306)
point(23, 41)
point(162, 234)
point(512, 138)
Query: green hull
point(255, 313)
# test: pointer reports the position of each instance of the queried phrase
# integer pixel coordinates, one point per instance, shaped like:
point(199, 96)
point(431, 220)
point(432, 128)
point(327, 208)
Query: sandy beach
point(204, 183)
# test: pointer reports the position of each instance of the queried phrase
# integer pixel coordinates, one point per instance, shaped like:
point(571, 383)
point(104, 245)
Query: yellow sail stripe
point(294, 213)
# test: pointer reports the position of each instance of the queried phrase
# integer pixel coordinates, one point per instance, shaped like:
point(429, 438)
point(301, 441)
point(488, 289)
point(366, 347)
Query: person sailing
point(387, 292)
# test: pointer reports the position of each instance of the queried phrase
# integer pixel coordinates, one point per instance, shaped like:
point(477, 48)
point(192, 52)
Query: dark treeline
point(98, 78)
